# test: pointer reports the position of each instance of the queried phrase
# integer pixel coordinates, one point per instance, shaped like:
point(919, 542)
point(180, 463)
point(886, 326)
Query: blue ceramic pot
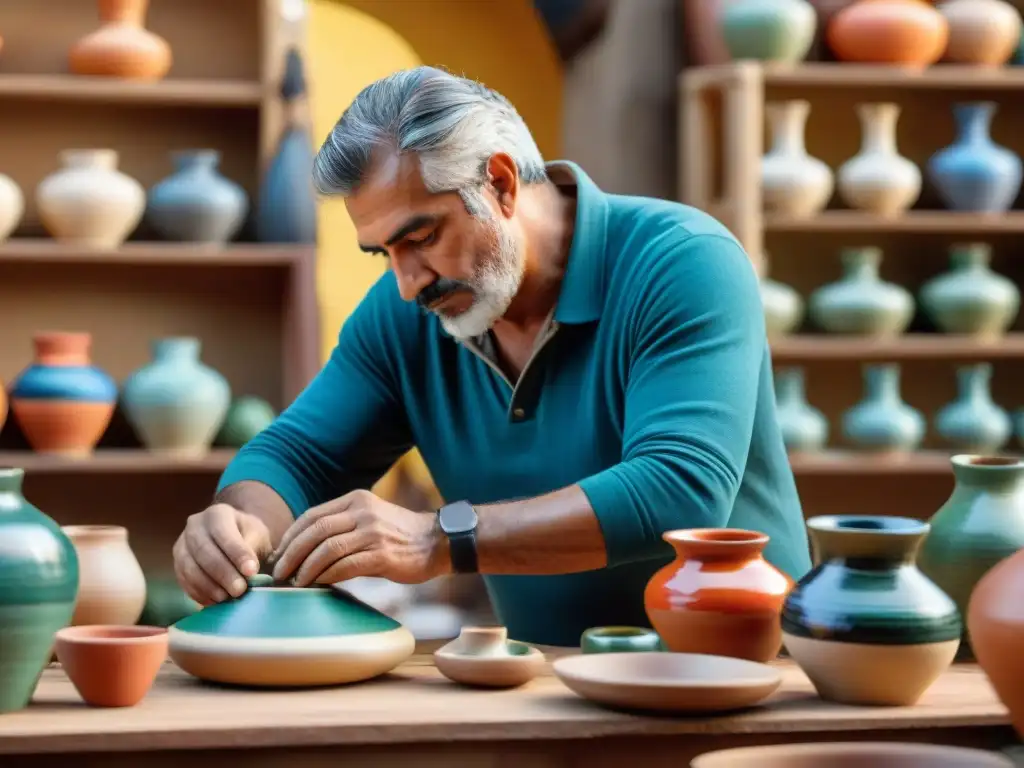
point(882, 421)
point(974, 173)
point(196, 203)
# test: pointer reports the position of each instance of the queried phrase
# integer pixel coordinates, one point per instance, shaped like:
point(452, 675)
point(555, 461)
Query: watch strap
point(462, 550)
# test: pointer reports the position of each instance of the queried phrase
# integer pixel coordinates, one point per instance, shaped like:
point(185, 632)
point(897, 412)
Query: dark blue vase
point(974, 173)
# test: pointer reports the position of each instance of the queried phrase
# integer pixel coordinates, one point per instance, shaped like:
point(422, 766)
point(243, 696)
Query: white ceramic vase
point(792, 182)
point(783, 307)
point(89, 202)
point(12, 206)
point(981, 32)
point(878, 179)
point(112, 587)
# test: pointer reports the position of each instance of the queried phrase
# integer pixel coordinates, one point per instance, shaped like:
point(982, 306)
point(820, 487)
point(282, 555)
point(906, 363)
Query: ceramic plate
point(852, 755)
point(668, 682)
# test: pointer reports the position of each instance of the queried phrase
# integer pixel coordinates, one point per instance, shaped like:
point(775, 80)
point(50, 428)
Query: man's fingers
point(320, 529)
point(226, 533)
point(313, 514)
point(365, 563)
point(214, 563)
point(193, 580)
point(329, 551)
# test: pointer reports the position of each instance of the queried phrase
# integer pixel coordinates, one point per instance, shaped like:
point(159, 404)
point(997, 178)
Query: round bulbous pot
point(862, 303)
point(768, 30)
point(112, 587)
point(971, 299)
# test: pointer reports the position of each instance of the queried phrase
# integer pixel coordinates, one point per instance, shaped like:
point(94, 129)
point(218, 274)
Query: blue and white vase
point(972, 423)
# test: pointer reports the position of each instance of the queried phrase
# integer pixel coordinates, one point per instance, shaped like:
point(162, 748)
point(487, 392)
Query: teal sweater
point(654, 394)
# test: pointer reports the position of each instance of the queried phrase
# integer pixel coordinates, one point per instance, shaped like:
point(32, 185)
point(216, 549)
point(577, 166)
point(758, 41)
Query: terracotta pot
point(907, 32)
point(719, 596)
point(122, 46)
point(112, 587)
point(995, 619)
point(62, 402)
point(983, 32)
point(112, 666)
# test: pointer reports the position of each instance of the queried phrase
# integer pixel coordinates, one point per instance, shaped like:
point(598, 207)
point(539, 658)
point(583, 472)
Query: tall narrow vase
point(793, 183)
point(974, 173)
point(769, 30)
point(973, 423)
point(981, 523)
point(38, 586)
point(860, 302)
point(804, 428)
point(882, 421)
point(878, 179)
point(970, 298)
point(865, 624)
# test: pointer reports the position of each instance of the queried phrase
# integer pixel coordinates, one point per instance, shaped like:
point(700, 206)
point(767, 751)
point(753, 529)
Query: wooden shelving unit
point(253, 305)
point(724, 136)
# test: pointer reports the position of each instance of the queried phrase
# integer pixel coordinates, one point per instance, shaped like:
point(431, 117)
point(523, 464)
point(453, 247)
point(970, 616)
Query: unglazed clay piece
point(112, 666)
point(859, 754)
point(282, 636)
point(485, 657)
point(982, 32)
point(111, 585)
point(903, 32)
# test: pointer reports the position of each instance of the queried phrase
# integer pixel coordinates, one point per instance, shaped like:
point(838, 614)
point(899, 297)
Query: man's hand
point(360, 534)
point(219, 548)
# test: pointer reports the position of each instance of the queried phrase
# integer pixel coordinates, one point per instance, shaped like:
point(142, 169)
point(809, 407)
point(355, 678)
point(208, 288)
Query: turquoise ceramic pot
point(246, 418)
point(865, 624)
point(38, 588)
point(804, 428)
point(861, 302)
point(769, 30)
point(973, 423)
point(882, 421)
point(196, 203)
point(970, 298)
point(176, 404)
point(620, 640)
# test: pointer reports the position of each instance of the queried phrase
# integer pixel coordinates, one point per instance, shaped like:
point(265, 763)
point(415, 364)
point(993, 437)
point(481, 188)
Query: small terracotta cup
point(112, 666)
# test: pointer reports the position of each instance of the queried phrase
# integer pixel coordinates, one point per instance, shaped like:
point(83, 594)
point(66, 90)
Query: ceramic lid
point(269, 610)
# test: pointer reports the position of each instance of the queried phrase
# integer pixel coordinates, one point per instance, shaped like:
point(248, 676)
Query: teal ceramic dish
point(620, 640)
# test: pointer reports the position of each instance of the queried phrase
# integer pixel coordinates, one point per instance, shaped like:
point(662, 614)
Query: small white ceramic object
point(878, 179)
point(792, 182)
point(12, 206)
point(485, 657)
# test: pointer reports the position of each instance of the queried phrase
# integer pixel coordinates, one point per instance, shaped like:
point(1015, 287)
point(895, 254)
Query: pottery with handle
point(112, 587)
point(878, 179)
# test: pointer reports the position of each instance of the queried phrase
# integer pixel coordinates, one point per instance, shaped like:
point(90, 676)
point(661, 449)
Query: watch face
point(459, 517)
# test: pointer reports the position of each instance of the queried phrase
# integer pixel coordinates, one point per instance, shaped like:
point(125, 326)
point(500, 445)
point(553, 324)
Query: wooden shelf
point(101, 90)
point(854, 463)
point(912, 346)
point(939, 77)
point(43, 251)
point(926, 222)
point(117, 461)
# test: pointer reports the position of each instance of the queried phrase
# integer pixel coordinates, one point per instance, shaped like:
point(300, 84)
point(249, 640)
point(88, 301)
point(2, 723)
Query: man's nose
point(412, 278)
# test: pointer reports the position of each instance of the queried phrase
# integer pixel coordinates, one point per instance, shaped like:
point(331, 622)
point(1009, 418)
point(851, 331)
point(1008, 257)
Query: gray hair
point(453, 124)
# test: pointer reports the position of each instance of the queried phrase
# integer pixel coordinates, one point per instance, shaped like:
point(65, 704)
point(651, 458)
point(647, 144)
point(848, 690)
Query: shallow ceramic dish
point(620, 640)
point(485, 657)
point(283, 636)
point(861, 754)
point(668, 682)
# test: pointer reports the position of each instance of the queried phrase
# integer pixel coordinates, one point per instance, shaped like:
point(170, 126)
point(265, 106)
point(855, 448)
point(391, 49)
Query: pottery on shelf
point(620, 640)
point(484, 657)
point(112, 666)
point(89, 202)
point(972, 423)
point(792, 182)
point(3, 405)
point(112, 588)
point(861, 303)
point(881, 421)
point(175, 403)
point(980, 523)
point(783, 307)
point(284, 636)
point(719, 596)
point(768, 30)
point(852, 754)
point(12, 206)
point(246, 418)
point(38, 584)
point(910, 33)
point(667, 682)
point(995, 621)
point(974, 173)
point(122, 46)
point(878, 179)
point(804, 427)
point(865, 624)
point(982, 32)
point(62, 402)
point(970, 298)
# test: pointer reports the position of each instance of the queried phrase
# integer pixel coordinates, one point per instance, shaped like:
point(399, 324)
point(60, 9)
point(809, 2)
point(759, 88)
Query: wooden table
point(415, 718)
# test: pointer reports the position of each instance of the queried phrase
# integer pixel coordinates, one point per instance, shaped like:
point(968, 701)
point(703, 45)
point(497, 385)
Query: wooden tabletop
point(417, 705)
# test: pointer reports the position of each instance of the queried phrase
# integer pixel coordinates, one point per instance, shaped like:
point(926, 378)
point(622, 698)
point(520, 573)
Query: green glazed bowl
point(620, 640)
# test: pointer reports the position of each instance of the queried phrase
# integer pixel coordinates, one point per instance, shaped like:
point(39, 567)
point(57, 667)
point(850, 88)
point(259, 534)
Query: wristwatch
point(458, 521)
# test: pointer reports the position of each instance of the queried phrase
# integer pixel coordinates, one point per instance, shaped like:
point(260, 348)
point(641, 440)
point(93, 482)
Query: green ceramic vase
point(971, 298)
point(973, 423)
point(783, 308)
point(881, 421)
point(246, 418)
point(769, 30)
point(861, 303)
point(38, 588)
point(804, 427)
point(981, 523)
point(865, 624)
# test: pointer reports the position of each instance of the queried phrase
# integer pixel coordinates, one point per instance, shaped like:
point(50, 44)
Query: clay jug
point(881, 421)
point(792, 182)
point(38, 584)
point(719, 596)
point(122, 46)
point(970, 298)
point(804, 428)
point(995, 621)
point(62, 402)
point(88, 202)
point(972, 423)
point(769, 30)
point(783, 307)
point(860, 302)
point(12, 206)
point(112, 587)
point(905, 32)
point(981, 523)
point(982, 32)
point(878, 179)
point(865, 624)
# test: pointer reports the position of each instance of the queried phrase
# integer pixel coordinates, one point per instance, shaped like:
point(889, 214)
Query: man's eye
point(424, 240)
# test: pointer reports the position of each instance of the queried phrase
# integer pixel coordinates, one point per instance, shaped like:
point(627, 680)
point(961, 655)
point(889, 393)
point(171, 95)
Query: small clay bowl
point(620, 640)
point(112, 666)
point(484, 657)
point(860, 754)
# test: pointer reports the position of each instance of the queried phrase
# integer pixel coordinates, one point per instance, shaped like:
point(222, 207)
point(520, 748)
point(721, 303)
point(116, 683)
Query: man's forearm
point(261, 501)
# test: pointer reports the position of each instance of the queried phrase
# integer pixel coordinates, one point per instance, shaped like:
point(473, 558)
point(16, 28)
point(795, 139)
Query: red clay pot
point(112, 666)
point(911, 33)
point(719, 596)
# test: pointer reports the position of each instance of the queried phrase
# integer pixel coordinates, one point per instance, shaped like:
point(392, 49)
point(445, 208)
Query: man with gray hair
point(581, 372)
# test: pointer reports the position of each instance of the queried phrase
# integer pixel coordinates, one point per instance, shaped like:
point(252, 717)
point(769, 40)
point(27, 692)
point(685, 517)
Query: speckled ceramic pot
point(865, 624)
point(282, 636)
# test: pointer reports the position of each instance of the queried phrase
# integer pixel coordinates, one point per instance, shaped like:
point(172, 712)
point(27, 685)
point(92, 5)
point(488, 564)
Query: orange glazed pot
point(995, 623)
point(719, 596)
point(906, 32)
